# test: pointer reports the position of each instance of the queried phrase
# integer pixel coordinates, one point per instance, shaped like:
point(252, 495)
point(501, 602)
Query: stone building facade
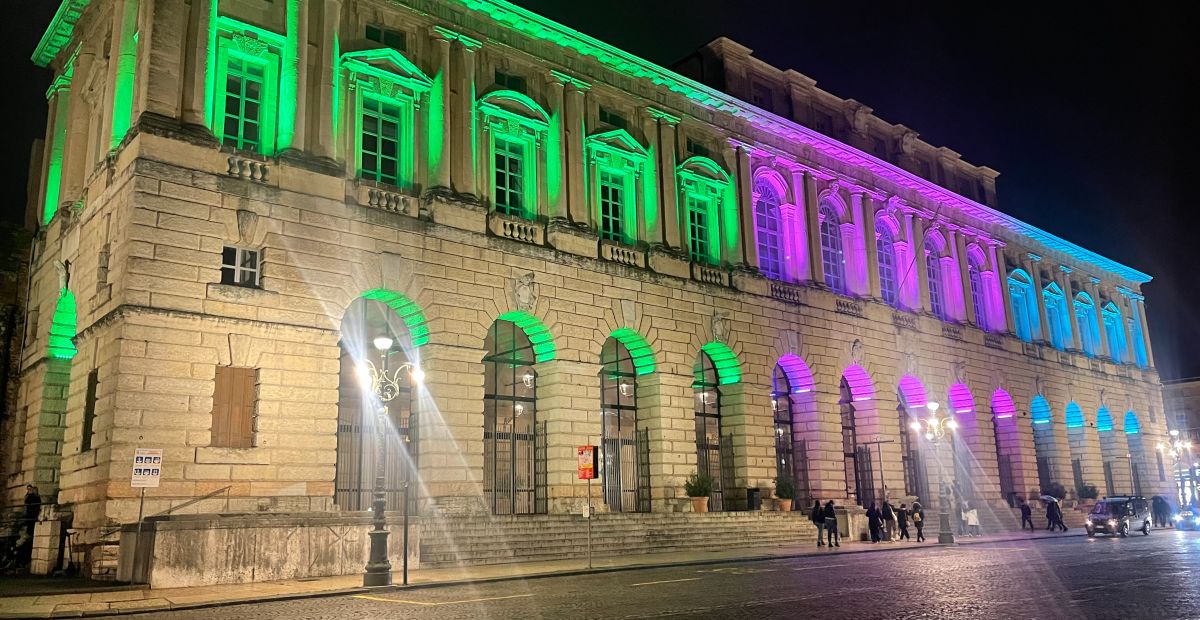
point(573, 245)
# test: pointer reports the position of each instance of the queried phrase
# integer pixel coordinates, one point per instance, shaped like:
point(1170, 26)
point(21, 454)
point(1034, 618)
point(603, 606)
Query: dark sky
point(1082, 110)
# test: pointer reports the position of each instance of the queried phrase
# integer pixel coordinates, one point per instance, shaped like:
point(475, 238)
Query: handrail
point(116, 528)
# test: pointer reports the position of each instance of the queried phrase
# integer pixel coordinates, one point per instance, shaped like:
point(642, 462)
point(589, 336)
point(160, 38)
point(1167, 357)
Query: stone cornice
point(59, 34)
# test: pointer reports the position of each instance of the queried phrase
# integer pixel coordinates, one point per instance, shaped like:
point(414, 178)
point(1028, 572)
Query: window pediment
point(702, 175)
point(511, 111)
point(616, 149)
point(387, 71)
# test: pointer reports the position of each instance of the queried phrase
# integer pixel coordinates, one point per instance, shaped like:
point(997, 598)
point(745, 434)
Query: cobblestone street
point(1070, 577)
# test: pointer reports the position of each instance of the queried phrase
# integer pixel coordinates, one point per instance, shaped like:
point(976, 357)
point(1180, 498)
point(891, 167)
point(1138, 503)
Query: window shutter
point(233, 407)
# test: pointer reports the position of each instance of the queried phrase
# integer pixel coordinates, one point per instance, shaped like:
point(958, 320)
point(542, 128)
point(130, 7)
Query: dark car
point(1117, 516)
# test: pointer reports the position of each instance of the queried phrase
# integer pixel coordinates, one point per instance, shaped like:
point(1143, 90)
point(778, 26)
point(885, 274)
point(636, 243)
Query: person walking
point(831, 525)
point(1050, 514)
point(874, 522)
point(1026, 516)
point(817, 516)
point(902, 520)
point(889, 521)
point(963, 508)
point(1058, 516)
point(973, 523)
point(33, 505)
point(918, 517)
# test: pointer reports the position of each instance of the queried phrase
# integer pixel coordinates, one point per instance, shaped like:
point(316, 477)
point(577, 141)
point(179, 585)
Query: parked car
point(1117, 516)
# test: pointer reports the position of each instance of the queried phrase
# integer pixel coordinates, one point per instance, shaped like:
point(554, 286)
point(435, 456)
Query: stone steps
point(496, 540)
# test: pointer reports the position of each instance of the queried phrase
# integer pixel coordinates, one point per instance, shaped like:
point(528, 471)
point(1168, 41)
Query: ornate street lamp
point(1175, 449)
point(384, 384)
point(935, 428)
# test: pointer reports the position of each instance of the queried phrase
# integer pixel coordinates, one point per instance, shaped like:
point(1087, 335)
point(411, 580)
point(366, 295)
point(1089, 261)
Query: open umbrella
point(1049, 498)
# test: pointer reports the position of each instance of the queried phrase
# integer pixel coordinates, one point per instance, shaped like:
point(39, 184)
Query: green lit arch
point(63, 326)
point(639, 350)
point(729, 370)
point(406, 309)
point(710, 167)
point(537, 332)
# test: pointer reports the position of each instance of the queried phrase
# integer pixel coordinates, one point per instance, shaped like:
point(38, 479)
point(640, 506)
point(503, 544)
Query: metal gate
point(963, 482)
point(1136, 472)
point(357, 449)
point(621, 476)
point(800, 475)
point(1077, 473)
point(709, 457)
point(1007, 486)
point(514, 464)
point(1108, 479)
point(643, 451)
point(1043, 467)
point(864, 478)
point(726, 473)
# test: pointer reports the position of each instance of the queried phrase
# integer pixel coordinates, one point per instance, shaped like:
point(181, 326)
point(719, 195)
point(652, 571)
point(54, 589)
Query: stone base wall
point(204, 550)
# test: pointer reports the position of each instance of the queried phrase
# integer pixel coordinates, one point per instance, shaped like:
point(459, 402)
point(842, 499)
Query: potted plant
point(785, 490)
point(698, 487)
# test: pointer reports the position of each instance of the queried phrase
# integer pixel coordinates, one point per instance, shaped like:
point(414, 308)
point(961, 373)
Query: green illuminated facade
point(235, 200)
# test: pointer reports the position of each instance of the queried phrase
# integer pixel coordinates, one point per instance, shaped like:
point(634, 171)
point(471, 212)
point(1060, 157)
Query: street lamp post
point(935, 429)
point(1175, 449)
point(384, 384)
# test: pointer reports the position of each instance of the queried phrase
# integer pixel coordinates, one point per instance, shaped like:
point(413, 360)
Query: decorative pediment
point(617, 139)
point(515, 107)
point(701, 174)
point(389, 67)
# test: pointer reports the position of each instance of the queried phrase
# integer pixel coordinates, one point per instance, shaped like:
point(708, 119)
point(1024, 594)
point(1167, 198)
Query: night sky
point(1082, 110)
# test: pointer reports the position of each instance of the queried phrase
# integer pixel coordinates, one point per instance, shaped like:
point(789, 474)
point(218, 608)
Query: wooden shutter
point(233, 407)
point(89, 411)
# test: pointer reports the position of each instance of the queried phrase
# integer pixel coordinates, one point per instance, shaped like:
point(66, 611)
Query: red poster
point(586, 457)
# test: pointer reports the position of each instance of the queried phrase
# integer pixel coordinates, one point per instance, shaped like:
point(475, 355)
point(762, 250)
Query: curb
point(543, 575)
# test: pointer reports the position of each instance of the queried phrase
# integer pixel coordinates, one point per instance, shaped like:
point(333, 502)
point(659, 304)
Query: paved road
point(1069, 577)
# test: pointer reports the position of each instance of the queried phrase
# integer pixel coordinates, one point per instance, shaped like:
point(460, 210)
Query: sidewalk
point(145, 599)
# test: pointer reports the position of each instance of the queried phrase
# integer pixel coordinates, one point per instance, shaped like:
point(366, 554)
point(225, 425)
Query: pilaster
point(195, 51)
point(857, 260)
point(668, 196)
point(569, 410)
point(872, 250)
point(439, 113)
point(918, 241)
point(813, 229)
point(745, 197)
point(573, 132)
point(1034, 268)
point(463, 169)
point(1064, 282)
point(966, 302)
point(450, 421)
point(1093, 286)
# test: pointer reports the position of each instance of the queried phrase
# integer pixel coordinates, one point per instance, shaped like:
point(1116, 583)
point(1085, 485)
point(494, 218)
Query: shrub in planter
point(1089, 491)
point(785, 490)
point(698, 485)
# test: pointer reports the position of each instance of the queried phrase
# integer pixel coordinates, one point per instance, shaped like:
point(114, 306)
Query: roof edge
point(58, 34)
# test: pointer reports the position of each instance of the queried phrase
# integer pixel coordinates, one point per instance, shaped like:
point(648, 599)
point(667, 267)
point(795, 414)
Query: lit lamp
point(1176, 449)
point(384, 384)
point(935, 428)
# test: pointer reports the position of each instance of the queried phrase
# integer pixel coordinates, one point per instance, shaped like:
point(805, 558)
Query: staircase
point(472, 541)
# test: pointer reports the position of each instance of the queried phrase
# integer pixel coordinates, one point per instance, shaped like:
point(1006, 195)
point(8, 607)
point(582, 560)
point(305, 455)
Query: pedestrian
point(902, 520)
point(963, 508)
point(817, 516)
point(918, 517)
point(1056, 517)
point(831, 525)
point(874, 523)
point(889, 521)
point(973, 522)
point(33, 505)
point(1050, 514)
point(1026, 516)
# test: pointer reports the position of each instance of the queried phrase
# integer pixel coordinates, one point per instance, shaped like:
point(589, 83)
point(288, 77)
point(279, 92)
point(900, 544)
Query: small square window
point(510, 81)
point(609, 117)
point(395, 39)
point(240, 267)
point(695, 148)
point(761, 96)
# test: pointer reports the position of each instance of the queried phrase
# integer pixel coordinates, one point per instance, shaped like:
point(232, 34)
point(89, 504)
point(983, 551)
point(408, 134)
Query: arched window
point(781, 405)
point(1024, 306)
point(1089, 329)
point(1056, 317)
point(622, 479)
point(510, 421)
point(933, 276)
point(885, 253)
point(978, 294)
point(768, 227)
point(833, 261)
point(1114, 330)
point(707, 407)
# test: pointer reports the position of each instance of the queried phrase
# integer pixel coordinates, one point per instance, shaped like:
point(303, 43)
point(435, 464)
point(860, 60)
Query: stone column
point(872, 250)
point(1035, 272)
point(195, 50)
point(52, 155)
point(794, 263)
point(450, 430)
point(812, 225)
point(75, 155)
point(668, 194)
point(1141, 303)
point(1000, 266)
point(918, 241)
point(556, 205)
point(652, 222)
point(568, 396)
point(293, 78)
point(857, 279)
point(747, 420)
point(732, 248)
point(1094, 290)
point(1127, 321)
point(665, 412)
point(1064, 282)
point(821, 433)
point(322, 142)
point(959, 246)
point(577, 207)
point(908, 286)
point(462, 119)
point(439, 113)
point(122, 72)
point(800, 264)
point(162, 64)
point(744, 179)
